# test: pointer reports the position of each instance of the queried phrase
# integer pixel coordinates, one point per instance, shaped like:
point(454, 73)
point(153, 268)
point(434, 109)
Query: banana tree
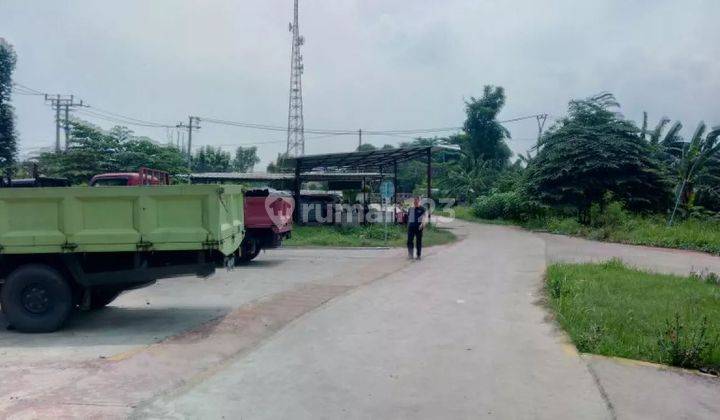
point(691, 164)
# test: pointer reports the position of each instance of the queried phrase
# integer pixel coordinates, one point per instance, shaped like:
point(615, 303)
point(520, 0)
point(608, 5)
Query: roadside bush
point(684, 345)
point(614, 215)
point(510, 205)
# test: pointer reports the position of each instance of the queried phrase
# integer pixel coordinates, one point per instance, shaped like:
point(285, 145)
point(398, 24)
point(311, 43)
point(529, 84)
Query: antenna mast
point(296, 123)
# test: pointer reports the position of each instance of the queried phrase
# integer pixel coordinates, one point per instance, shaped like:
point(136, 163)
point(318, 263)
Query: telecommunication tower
point(296, 123)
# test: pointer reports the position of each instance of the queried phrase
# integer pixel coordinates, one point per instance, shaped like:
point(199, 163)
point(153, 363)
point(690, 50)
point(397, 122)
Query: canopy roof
point(373, 159)
point(287, 176)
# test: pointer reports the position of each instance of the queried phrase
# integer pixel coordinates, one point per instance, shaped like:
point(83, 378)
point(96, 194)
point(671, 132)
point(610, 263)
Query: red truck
point(267, 212)
point(144, 176)
point(268, 220)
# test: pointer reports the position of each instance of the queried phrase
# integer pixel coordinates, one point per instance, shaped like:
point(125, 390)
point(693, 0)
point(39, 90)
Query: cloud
point(372, 64)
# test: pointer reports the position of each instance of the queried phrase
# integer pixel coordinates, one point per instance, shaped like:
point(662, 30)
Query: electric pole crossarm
point(66, 103)
point(193, 124)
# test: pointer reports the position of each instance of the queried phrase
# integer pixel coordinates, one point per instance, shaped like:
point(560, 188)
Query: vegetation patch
point(614, 310)
point(361, 236)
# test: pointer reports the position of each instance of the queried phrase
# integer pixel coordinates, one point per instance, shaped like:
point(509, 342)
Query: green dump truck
point(80, 247)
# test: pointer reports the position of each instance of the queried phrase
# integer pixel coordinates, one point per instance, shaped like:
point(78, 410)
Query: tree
point(93, 151)
point(694, 164)
point(211, 159)
point(591, 153)
point(245, 159)
point(366, 147)
point(484, 137)
point(280, 164)
point(8, 139)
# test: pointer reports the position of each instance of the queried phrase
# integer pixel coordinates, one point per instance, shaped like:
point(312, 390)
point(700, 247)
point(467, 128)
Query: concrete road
point(348, 333)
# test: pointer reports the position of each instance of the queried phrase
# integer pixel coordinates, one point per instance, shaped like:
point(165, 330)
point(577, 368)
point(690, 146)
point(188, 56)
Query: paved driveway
point(347, 333)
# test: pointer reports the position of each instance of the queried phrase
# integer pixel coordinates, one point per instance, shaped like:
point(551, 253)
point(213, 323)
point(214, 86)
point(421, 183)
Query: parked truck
point(268, 212)
point(268, 221)
point(62, 248)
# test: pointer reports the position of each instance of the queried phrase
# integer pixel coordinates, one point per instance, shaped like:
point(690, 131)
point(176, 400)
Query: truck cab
point(144, 176)
point(268, 221)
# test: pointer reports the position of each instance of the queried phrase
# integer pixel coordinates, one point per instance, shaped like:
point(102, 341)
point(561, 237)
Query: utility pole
point(65, 102)
point(193, 123)
point(359, 139)
point(541, 119)
point(296, 121)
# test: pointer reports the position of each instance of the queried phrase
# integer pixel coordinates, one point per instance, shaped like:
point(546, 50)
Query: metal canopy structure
point(369, 160)
point(377, 160)
point(213, 177)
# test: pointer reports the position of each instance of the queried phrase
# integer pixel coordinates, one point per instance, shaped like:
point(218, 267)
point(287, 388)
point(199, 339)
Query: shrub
point(685, 345)
point(510, 205)
point(614, 215)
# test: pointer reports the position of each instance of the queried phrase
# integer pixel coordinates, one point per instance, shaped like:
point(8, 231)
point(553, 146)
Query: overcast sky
point(371, 64)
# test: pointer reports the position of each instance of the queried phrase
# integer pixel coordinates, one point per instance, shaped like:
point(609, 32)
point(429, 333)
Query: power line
point(125, 117)
point(114, 117)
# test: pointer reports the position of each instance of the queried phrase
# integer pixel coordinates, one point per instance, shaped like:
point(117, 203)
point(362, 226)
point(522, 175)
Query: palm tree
point(692, 164)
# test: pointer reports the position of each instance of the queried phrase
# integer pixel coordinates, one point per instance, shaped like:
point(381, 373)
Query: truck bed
point(121, 219)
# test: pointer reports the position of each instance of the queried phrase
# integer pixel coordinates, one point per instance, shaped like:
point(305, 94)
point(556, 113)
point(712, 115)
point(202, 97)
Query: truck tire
point(102, 297)
point(36, 298)
point(249, 249)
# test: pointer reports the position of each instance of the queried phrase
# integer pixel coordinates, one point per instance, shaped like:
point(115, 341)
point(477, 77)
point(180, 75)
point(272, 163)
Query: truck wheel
point(36, 298)
point(248, 251)
point(101, 297)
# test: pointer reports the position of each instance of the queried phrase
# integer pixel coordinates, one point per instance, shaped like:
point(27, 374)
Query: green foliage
point(412, 175)
point(211, 159)
point(593, 152)
point(484, 137)
point(365, 147)
point(8, 138)
point(215, 159)
point(468, 179)
point(511, 205)
point(685, 345)
point(614, 310)
point(624, 227)
point(93, 151)
point(696, 164)
point(358, 236)
point(280, 164)
point(612, 216)
point(245, 159)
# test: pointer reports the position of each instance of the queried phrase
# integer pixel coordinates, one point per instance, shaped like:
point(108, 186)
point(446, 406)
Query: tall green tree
point(245, 159)
point(8, 139)
point(484, 137)
point(211, 159)
point(694, 165)
point(591, 152)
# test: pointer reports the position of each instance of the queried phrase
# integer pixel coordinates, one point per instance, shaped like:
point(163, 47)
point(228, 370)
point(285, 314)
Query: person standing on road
point(417, 219)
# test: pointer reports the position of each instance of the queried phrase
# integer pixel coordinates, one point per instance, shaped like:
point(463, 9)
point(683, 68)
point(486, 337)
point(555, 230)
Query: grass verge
point(614, 310)
point(689, 234)
point(364, 236)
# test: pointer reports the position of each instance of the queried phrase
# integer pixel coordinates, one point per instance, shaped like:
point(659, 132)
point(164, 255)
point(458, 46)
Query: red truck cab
point(268, 220)
point(144, 176)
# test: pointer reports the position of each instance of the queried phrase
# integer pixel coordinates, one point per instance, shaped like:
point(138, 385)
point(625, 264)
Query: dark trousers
point(414, 235)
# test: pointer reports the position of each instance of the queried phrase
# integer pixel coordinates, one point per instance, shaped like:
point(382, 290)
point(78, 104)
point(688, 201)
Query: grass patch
point(617, 225)
point(364, 236)
point(613, 310)
point(690, 234)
